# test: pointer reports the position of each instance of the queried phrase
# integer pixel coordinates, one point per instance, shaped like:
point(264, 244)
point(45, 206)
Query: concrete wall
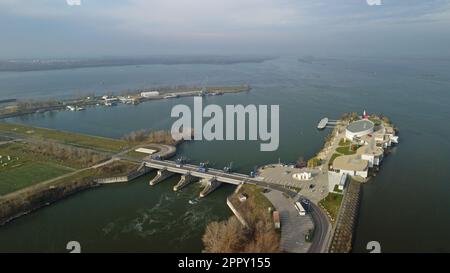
point(122, 179)
point(236, 213)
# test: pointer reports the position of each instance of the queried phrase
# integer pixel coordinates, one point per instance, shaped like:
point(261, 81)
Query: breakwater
point(342, 239)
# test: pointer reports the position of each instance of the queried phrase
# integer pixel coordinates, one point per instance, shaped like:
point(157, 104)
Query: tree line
point(62, 152)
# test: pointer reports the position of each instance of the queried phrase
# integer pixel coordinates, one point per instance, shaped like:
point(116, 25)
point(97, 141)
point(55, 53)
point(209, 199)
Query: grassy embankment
point(232, 237)
point(332, 204)
point(74, 139)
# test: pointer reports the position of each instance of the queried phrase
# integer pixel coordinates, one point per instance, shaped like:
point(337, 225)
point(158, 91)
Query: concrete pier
point(185, 180)
point(211, 185)
point(160, 176)
point(322, 123)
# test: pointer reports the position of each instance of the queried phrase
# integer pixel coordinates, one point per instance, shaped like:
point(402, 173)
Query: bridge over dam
point(212, 178)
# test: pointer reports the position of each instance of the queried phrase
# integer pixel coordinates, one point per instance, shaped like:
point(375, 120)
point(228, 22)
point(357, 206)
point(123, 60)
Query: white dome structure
point(359, 128)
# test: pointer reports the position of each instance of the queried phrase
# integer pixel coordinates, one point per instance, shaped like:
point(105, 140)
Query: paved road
point(294, 227)
point(322, 226)
point(322, 232)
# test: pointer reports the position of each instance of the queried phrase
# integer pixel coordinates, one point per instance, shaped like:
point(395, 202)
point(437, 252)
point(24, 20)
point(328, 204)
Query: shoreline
point(344, 224)
point(126, 97)
point(116, 165)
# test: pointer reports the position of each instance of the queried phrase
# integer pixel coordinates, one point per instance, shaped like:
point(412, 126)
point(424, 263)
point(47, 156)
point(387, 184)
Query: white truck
point(300, 209)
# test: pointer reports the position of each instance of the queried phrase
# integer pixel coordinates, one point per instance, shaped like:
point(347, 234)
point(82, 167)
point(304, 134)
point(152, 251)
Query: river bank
point(41, 166)
point(27, 107)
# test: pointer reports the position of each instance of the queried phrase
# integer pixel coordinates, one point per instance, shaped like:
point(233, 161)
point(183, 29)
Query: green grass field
point(333, 157)
point(332, 203)
point(345, 150)
point(20, 169)
point(28, 173)
point(136, 155)
point(344, 142)
point(20, 154)
point(79, 140)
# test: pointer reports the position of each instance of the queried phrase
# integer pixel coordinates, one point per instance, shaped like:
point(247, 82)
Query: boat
point(170, 96)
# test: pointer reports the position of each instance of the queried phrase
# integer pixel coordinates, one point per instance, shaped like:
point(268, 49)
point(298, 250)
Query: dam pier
point(209, 177)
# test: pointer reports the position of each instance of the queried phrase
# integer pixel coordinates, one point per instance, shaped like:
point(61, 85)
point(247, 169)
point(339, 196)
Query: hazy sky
point(52, 28)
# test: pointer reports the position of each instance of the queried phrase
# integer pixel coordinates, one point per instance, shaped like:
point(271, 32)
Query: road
point(322, 226)
point(294, 227)
point(322, 232)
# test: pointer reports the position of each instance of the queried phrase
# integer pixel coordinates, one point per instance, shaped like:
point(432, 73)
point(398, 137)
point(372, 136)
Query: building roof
point(350, 162)
point(370, 149)
point(360, 126)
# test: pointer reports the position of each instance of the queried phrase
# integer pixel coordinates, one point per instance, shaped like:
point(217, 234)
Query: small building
point(336, 179)
point(371, 153)
point(352, 165)
point(110, 101)
point(149, 94)
point(145, 151)
point(128, 99)
point(302, 176)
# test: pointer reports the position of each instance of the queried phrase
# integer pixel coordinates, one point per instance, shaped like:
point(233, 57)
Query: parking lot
point(293, 226)
point(314, 189)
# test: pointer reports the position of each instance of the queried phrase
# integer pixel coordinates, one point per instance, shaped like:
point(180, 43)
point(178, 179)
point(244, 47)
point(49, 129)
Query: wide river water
point(405, 208)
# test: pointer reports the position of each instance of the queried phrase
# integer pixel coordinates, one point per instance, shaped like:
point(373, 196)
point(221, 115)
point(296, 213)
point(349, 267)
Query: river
point(405, 207)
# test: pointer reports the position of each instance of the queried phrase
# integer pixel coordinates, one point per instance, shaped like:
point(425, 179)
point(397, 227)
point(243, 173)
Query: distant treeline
point(149, 136)
point(53, 64)
point(66, 153)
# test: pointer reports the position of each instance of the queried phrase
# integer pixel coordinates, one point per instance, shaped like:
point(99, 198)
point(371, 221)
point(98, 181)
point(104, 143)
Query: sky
point(95, 28)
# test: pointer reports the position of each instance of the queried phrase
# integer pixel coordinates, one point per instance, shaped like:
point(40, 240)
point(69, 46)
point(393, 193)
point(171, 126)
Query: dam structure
point(211, 178)
point(193, 170)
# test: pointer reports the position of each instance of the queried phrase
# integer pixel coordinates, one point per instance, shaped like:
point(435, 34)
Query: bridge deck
point(233, 178)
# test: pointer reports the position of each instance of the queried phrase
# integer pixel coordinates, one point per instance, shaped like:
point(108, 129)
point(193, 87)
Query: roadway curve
point(164, 151)
point(322, 227)
point(322, 230)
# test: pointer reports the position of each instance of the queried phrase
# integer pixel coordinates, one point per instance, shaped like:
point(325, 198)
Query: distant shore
point(25, 65)
point(25, 107)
